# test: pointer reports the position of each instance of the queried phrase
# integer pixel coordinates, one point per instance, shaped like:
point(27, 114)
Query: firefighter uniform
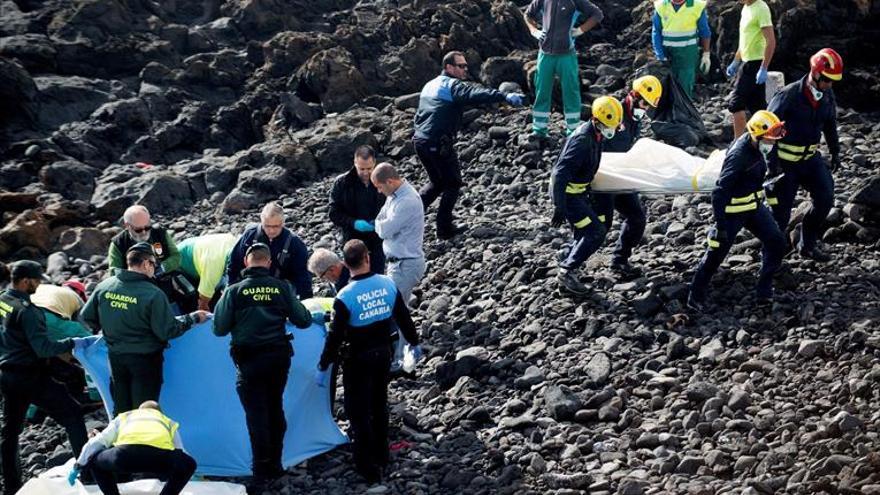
point(570, 188)
point(137, 322)
point(364, 312)
point(800, 160)
point(25, 379)
point(627, 204)
point(255, 311)
point(737, 202)
point(139, 441)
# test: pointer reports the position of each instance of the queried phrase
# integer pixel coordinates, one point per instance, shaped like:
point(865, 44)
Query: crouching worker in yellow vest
point(140, 441)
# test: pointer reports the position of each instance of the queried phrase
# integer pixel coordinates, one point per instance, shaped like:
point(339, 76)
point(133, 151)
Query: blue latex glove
point(761, 76)
point(71, 476)
point(363, 226)
point(417, 352)
point(80, 343)
point(514, 99)
point(322, 378)
point(732, 68)
point(318, 317)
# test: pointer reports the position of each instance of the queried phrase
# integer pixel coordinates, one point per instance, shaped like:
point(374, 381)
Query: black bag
point(676, 120)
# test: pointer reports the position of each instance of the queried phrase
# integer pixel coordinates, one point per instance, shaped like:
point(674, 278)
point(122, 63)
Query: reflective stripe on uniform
point(545, 115)
point(744, 203)
point(146, 427)
point(576, 188)
point(794, 153)
point(746, 199)
point(678, 44)
point(573, 115)
point(772, 201)
point(601, 218)
point(740, 208)
point(712, 243)
point(583, 223)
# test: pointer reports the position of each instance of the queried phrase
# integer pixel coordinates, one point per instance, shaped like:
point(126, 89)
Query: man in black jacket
point(438, 118)
point(354, 204)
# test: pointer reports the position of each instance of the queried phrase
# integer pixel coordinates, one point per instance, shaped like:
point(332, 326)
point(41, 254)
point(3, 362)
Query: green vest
point(680, 27)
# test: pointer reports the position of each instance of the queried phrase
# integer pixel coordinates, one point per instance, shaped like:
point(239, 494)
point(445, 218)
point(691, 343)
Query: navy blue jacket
point(628, 132)
point(577, 162)
point(742, 174)
point(803, 124)
point(442, 103)
point(290, 266)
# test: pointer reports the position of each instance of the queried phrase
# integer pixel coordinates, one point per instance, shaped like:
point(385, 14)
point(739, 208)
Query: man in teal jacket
point(136, 319)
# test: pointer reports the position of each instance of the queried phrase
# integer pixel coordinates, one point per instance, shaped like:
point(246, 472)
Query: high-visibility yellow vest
point(680, 27)
point(146, 427)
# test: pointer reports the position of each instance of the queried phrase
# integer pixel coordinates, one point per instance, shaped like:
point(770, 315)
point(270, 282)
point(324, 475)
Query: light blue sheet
point(199, 393)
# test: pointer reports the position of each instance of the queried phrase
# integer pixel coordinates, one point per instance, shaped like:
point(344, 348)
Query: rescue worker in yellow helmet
point(570, 188)
point(738, 201)
point(140, 441)
point(646, 92)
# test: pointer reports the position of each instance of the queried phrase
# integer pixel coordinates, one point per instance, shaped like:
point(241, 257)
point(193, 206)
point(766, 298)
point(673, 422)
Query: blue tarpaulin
point(199, 393)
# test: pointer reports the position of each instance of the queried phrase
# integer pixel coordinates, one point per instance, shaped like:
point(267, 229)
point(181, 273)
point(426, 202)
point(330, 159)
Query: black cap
point(26, 269)
point(257, 246)
point(142, 247)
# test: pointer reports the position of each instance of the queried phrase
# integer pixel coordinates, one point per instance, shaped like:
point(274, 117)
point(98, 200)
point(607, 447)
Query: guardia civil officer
point(364, 311)
point(24, 371)
point(254, 311)
point(136, 319)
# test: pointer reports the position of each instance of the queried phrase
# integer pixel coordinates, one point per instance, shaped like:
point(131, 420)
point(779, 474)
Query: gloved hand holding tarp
point(652, 167)
point(199, 393)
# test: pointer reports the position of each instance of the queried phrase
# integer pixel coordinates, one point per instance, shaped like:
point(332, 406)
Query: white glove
point(537, 34)
point(575, 32)
point(705, 63)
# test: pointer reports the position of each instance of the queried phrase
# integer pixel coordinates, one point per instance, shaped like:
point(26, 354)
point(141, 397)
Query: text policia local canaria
point(373, 304)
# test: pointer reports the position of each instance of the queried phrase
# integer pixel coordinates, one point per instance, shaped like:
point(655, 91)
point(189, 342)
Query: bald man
point(139, 228)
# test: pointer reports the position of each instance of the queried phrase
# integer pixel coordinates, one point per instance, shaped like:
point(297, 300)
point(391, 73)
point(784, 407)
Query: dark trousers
point(588, 231)
point(377, 265)
point(630, 208)
point(19, 390)
point(134, 379)
point(813, 175)
point(365, 382)
point(747, 93)
point(760, 223)
point(444, 179)
point(175, 467)
point(262, 376)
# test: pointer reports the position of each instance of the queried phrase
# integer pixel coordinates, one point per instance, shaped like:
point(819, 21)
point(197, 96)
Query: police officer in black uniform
point(364, 311)
point(255, 311)
point(24, 371)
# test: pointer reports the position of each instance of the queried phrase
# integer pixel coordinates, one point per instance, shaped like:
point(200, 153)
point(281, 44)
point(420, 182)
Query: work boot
point(568, 281)
point(696, 305)
point(449, 233)
point(815, 254)
point(625, 270)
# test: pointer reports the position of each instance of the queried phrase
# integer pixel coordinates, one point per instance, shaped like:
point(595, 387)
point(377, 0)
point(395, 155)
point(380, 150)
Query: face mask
point(817, 93)
point(765, 148)
point(639, 113)
point(606, 131)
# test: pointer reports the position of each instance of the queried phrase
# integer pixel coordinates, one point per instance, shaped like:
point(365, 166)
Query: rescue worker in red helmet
point(809, 110)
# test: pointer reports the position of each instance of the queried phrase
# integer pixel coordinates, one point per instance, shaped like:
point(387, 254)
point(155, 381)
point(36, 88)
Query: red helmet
point(828, 63)
point(76, 286)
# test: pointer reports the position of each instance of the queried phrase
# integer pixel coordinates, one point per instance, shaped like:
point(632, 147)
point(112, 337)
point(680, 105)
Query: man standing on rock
point(354, 204)
point(570, 188)
point(24, 371)
point(737, 202)
point(646, 92)
point(557, 56)
point(757, 43)
point(363, 313)
point(438, 118)
point(401, 225)
point(255, 311)
point(289, 253)
point(137, 322)
point(809, 110)
point(677, 27)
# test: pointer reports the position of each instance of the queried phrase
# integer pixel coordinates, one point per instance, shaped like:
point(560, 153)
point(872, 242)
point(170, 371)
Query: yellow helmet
point(608, 111)
point(649, 88)
point(765, 125)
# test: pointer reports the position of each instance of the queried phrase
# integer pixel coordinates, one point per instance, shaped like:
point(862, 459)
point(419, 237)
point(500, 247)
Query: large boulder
point(70, 178)
point(496, 70)
point(83, 242)
point(70, 99)
point(35, 52)
point(333, 139)
point(278, 168)
point(27, 229)
point(286, 51)
point(332, 77)
point(162, 192)
point(18, 92)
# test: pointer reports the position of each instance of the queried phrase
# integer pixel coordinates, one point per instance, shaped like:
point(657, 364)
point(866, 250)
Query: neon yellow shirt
point(205, 257)
point(754, 17)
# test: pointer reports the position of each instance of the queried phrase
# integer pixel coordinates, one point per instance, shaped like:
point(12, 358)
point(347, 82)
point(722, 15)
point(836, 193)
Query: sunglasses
point(141, 230)
point(321, 276)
